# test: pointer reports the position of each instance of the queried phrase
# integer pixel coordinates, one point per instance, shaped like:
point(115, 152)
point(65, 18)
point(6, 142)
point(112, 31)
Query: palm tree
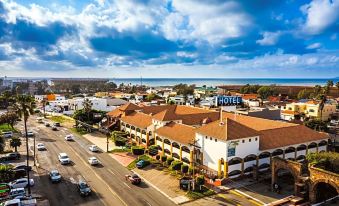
point(25, 107)
point(321, 105)
point(44, 102)
point(329, 83)
point(87, 104)
point(15, 142)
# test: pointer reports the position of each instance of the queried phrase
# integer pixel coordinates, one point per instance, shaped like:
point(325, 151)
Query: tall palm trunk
point(27, 158)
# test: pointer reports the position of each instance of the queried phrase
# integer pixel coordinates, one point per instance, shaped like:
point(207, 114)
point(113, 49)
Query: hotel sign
point(228, 100)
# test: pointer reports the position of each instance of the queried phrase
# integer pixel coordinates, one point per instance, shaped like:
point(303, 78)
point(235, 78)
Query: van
point(8, 134)
point(18, 192)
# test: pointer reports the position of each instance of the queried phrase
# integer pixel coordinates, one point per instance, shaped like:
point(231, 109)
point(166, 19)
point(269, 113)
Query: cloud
point(269, 38)
point(314, 46)
point(321, 15)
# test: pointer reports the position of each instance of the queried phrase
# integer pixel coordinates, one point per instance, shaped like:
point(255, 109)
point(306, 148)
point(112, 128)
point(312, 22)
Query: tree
point(304, 94)
point(152, 96)
point(9, 118)
point(337, 85)
point(25, 107)
point(329, 83)
point(87, 104)
point(2, 143)
point(266, 91)
point(15, 142)
point(322, 105)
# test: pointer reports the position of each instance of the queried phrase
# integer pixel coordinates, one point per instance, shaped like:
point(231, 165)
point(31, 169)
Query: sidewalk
point(100, 140)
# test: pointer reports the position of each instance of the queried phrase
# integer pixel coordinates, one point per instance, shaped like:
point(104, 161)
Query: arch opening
point(324, 191)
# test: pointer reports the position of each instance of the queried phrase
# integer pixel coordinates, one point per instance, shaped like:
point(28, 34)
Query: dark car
point(12, 156)
point(54, 176)
point(23, 167)
point(142, 164)
point(83, 188)
point(19, 173)
point(185, 183)
point(133, 178)
point(57, 124)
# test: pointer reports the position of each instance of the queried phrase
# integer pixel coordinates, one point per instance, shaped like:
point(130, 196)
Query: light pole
point(193, 161)
point(34, 162)
point(107, 142)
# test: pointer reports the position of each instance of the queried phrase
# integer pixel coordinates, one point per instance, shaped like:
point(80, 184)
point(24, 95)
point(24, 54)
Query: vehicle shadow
point(71, 164)
point(46, 140)
point(143, 185)
point(98, 166)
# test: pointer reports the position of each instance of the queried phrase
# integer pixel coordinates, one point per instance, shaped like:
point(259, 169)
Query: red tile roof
point(228, 129)
point(177, 132)
point(138, 119)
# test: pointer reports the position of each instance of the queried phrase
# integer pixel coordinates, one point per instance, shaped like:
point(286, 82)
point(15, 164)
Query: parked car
point(40, 146)
point(47, 124)
point(83, 188)
point(19, 173)
point(39, 119)
point(12, 156)
point(23, 167)
point(133, 178)
point(142, 164)
point(57, 124)
point(19, 183)
point(21, 202)
point(54, 176)
point(185, 183)
point(93, 148)
point(8, 134)
point(93, 161)
point(4, 190)
point(54, 128)
point(63, 158)
point(18, 192)
point(69, 137)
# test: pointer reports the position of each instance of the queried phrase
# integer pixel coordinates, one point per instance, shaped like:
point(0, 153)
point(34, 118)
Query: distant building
point(310, 109)
point(200, 92)
point(181, 100)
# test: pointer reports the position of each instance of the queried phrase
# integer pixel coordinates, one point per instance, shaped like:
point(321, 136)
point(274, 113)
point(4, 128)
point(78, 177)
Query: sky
point(169, 38)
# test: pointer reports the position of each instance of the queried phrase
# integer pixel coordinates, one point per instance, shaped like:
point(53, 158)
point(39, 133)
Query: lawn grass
point(132, 165)
point(78, 131)
point(117, 150)
point(6, 128)
point(60, 119)
point(204, 192)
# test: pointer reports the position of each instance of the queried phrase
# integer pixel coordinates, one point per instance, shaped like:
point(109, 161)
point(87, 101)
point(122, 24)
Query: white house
point(180, 100)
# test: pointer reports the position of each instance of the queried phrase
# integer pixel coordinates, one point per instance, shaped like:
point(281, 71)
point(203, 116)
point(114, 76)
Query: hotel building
point(227, 145)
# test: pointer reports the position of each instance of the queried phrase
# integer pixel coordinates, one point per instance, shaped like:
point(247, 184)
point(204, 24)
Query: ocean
point(154, 82)
point(222, 81)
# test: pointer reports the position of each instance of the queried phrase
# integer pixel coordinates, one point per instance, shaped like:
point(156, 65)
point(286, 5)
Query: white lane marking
point(111, 171)
point(147, 203)
point(99, 177)
point(127, 185)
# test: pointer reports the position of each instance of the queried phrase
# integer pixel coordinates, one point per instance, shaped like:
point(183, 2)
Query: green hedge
point(200, 180)
point(176, 165)
point(184, 168)
point(169, 160)
point(153, 150)
point(157, 157)
point(138, 150)
point(163, 158)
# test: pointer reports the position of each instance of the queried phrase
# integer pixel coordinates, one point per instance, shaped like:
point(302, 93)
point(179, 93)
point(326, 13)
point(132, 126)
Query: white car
point(21, 183)
point(63, 158)
point(93, 148)
point(93, 161)
point(40, 146)
point(69, 137)
point(7, 134)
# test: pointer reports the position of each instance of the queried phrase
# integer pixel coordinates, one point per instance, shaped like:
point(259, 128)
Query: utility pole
point(194, 146)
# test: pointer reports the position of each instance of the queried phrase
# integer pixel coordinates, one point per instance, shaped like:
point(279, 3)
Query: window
point(243, 141)
point(256, 139)
point(210, 138)
point(249, 140)
point(206, 137)
point(215, 140)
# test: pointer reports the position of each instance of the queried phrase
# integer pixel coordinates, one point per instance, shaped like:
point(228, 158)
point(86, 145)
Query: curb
point(249, 197)
point(156, 188)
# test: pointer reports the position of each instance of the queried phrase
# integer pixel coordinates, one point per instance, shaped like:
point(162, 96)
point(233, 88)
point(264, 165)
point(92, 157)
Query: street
point(106, 180)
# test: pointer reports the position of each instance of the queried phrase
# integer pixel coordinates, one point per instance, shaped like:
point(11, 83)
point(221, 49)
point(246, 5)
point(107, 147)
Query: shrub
point(200, 180)
point(157, 157)
point(176, 165)
point(169, 160)
point(153, 150)
point(137, 150)
point(184, 168)
point(120, 142)
point(190, 170)
point(163, 158)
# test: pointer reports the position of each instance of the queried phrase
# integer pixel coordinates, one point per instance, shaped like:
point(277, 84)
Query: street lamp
point(107, 136)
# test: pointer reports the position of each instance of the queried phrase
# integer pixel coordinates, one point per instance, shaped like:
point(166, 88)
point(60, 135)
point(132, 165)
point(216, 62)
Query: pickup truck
point(18, 202)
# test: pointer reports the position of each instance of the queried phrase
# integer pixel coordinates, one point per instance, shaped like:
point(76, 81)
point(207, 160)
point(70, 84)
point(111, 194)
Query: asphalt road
point(107, 180)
